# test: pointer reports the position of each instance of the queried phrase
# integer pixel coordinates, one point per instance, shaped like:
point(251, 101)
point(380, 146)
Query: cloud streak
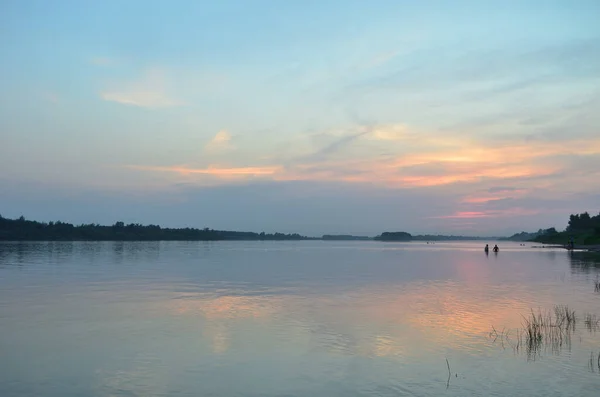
point(219, 143)
point(337, 145)
point(149, 91)
point(103, 61)
point(510, 212)
point(221, 172)
point(468, 165)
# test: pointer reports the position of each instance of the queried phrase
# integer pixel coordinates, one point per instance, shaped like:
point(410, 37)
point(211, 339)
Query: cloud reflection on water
point(388, 321)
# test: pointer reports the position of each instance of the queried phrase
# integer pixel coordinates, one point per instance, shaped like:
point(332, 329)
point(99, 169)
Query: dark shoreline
point(588, 248)
point(22, 229)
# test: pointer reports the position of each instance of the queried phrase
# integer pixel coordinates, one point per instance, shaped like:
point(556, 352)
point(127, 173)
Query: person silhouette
point(487, 248)
point(496, 249)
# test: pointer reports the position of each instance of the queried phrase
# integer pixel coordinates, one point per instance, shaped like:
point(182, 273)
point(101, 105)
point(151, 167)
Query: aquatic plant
point(449, 374)
point(541, 328)
point(564, 316)
point(544, 328)
point(591, 322)
point(594, 362)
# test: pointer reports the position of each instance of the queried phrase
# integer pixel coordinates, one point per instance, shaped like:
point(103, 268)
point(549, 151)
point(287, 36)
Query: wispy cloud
point(342, 139)
point(103, 61)
point(502, 189)
point(220, 142)
point(511, 212)
point(333, 147)
point(427, 160)
point(215, 171)
point(381, 59)
point(394, 132)
point(150, 91)
point(483, 200)
point(464, 215)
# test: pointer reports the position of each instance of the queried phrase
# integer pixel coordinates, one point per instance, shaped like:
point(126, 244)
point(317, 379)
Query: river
point(308, 318)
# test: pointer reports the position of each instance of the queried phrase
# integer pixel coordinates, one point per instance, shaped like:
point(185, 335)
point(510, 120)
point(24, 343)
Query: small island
point(394, 236)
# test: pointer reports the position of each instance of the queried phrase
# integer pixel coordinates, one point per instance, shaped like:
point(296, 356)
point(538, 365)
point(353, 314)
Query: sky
point(316, 117)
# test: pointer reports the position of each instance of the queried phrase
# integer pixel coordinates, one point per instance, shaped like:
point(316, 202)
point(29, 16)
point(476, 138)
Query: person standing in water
point(487, 248)
point(496, 249)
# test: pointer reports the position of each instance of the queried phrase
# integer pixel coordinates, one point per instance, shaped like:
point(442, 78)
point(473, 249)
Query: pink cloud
point(465, 215)
point(490, 214)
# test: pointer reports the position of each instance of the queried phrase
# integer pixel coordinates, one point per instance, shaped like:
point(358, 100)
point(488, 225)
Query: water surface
point(288, 319)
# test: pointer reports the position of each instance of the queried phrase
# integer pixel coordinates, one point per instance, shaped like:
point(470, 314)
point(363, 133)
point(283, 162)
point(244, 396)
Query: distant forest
point(583, 228)
point(21, 229)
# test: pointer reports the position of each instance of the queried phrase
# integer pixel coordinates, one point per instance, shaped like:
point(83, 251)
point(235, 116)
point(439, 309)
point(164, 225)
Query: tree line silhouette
point(581, 228)
point(584, 223)
point(22, 229)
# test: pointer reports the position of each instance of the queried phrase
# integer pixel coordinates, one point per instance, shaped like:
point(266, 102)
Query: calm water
point(288, 319)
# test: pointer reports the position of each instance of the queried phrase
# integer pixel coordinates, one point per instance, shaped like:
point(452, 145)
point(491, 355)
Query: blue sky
point(469, 117)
